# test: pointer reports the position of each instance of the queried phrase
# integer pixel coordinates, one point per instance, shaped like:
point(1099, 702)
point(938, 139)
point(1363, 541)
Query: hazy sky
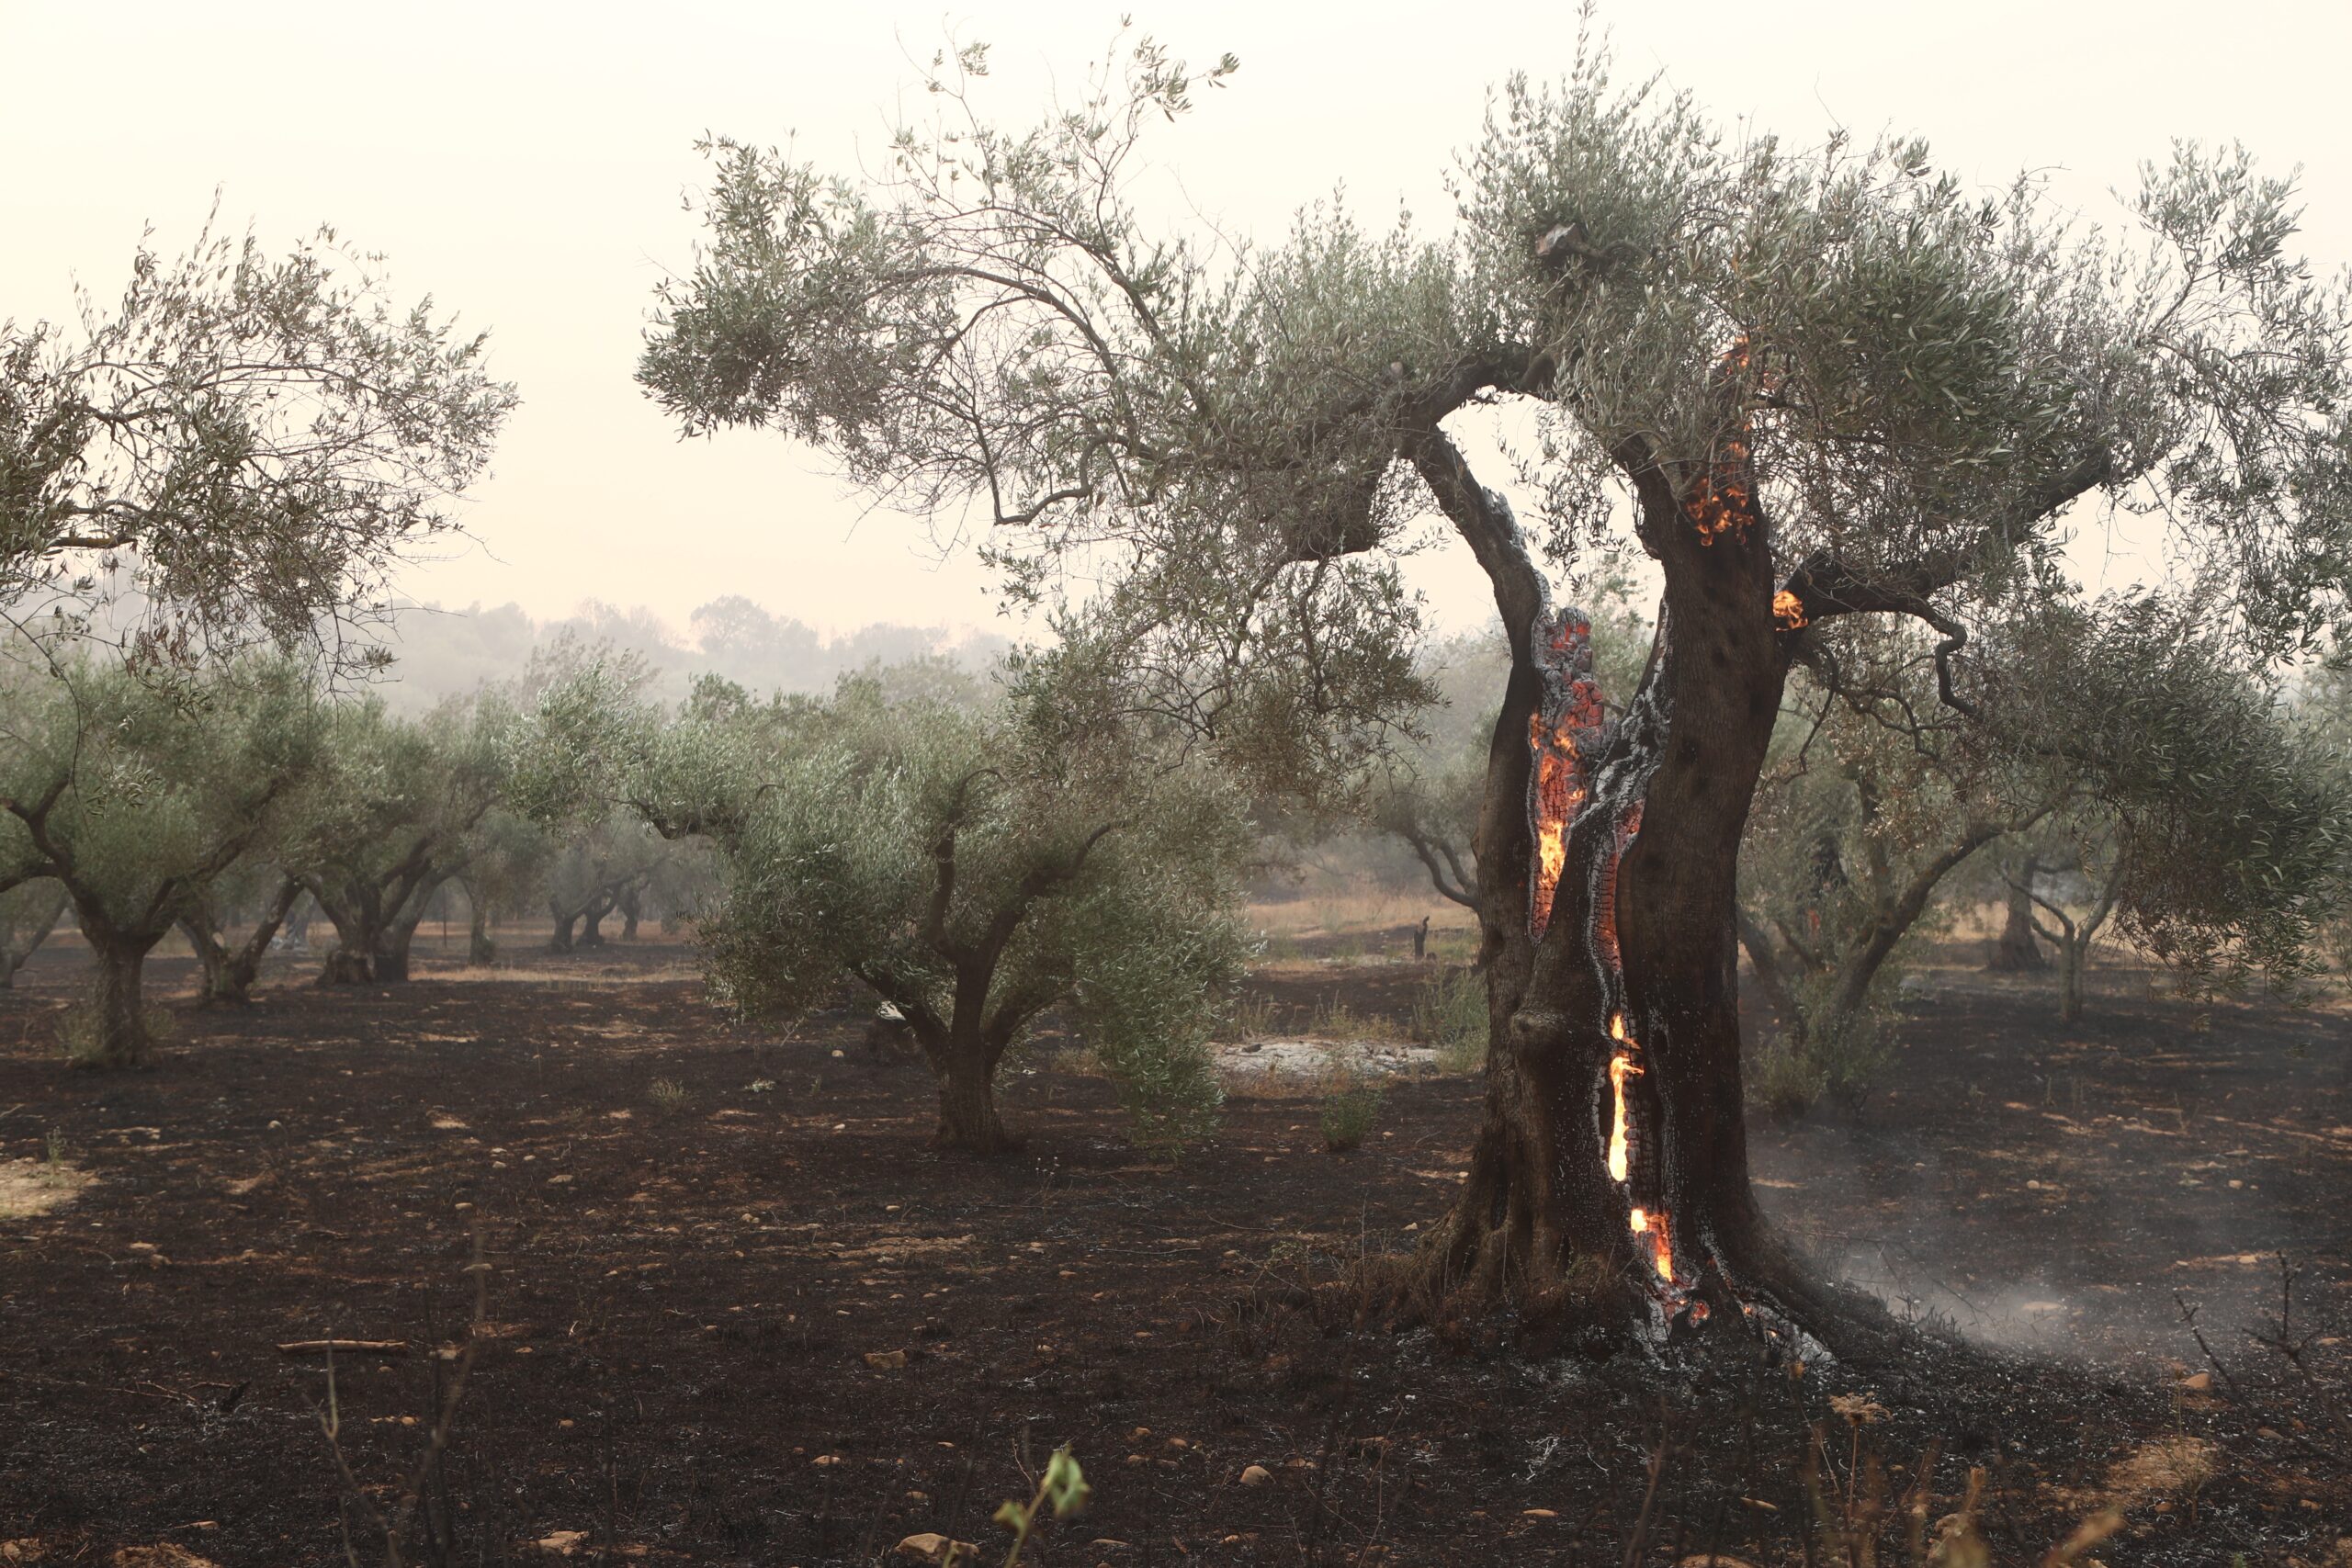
point(524, 165)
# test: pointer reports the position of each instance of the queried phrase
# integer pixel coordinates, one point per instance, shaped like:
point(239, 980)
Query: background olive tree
point(135, 795)
point(968, 867)
point(240, 448)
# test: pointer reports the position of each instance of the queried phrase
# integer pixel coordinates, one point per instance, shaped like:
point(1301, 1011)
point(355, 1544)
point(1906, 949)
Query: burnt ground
point(737, 1312)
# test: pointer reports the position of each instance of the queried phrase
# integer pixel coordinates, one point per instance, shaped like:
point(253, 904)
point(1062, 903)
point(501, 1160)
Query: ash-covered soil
point(737, 1312)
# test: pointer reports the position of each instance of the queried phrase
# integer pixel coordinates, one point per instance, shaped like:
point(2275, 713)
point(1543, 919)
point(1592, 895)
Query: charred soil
point(740, 1312)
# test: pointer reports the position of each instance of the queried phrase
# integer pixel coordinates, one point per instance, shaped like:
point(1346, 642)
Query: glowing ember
point(1724, 499)
point(1787, 611)
point(1661, 1247)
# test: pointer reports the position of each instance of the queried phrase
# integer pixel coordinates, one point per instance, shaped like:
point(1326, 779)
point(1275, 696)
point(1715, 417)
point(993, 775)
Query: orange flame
point(1788, 611)
point(1661, 1247)
point(1723, 501)
point(1620, 1068)
point(1570, 712)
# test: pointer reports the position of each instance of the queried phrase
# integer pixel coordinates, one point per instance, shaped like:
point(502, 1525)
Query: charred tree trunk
point(358, 916)
point(1609, 1178)
point(2015, 952)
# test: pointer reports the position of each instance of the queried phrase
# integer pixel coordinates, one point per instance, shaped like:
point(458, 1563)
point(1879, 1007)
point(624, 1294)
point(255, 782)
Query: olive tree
point(392, 819)
point(244, 444)
point(1810, 384)
point(973, 869)
point(267, 892)
point(135, 795)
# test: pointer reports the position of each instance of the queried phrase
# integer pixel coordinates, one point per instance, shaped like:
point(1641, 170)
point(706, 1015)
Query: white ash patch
point(1314, 1058)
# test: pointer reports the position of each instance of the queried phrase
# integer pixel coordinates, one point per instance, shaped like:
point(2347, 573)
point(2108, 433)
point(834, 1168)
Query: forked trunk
point(1609, 1184)
point(230, 971)
point(630, 906)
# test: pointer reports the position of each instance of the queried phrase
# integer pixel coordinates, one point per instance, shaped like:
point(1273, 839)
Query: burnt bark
point(1621, 986)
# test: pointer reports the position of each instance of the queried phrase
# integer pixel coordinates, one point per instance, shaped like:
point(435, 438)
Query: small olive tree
point(971, 869)
point(393, 818)
point(135, 795)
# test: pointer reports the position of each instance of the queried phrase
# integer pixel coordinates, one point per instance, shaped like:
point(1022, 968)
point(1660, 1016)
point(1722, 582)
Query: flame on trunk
point(1566, 721)
point(1620, 1068)
point(1788, 611)
point(1723, 500)
point(1661, 1244)
point(1567, 729)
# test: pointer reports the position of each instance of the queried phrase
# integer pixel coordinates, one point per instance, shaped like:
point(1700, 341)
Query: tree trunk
point(1610, 1179)
point(967, 1116)
point(2015, 952)
point(112, 1032)
point(560, 938)
point(628, 907)
point(2070, 955)
point(20, 944)
point(591, 923)
point(229, 971)
point(480, 949)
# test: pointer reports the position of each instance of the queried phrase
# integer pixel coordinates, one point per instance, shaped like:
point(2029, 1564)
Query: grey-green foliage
point(136, 793)
point(393, 816)
point(1937, 387)
point(969, 870)
point(254, 441)
point(2229, 813)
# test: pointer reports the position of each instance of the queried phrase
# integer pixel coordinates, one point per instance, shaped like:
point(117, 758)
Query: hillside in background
point(439, 653)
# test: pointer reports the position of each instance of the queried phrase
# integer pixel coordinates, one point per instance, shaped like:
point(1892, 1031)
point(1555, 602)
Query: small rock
point(1256, 1475)
point(563, 1543)
point(2197, 1384)
point(886, 1360)
point(931, 1547)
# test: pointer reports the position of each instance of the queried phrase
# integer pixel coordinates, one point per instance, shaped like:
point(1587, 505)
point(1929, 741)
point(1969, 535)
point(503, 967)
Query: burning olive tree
point(968, 868)
point(1814, 386)
point(135, 795)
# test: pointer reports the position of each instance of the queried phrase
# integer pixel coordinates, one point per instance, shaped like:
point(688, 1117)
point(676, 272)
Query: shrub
point(1350, 1106)
point(1450, 1012)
